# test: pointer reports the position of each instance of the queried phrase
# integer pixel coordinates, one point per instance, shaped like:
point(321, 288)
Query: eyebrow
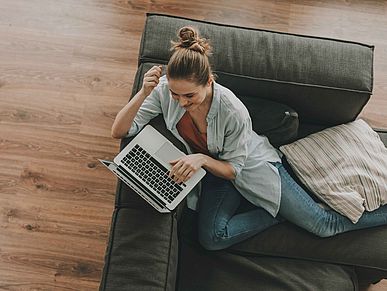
point(183, 94)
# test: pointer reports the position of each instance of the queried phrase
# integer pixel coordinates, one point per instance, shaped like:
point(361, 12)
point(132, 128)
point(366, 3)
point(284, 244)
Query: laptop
point(144, 166)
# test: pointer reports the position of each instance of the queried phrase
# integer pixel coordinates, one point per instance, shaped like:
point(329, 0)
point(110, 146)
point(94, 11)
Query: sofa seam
point(117, 201)
point(305, 258)
point(169, 253)
point(110, 247)
point(143, 40)
point(354, 276)
point(297, 83)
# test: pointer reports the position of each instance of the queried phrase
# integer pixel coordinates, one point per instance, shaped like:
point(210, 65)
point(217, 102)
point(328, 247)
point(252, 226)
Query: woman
point(216, 128)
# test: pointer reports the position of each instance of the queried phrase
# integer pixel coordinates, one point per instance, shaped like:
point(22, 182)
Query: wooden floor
point(66, 68)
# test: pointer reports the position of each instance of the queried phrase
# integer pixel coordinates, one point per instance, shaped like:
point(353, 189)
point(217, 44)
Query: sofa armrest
point(142, 251)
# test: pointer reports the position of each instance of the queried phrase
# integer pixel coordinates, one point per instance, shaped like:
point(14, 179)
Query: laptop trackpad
point(168, 153)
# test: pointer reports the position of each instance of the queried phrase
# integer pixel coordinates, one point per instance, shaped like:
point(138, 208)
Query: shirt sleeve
point(150, 108)
point(235, 146)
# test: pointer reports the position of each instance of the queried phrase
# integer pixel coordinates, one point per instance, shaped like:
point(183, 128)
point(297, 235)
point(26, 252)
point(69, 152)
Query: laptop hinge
point(142, 187)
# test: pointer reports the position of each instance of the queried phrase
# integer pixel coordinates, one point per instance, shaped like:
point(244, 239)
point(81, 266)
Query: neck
point(205, 106)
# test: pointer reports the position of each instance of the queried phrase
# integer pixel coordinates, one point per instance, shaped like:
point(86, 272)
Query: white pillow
point(345, 166)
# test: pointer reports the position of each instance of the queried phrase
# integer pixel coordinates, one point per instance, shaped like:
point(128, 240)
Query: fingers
point(151, 79)
point(181, 178)
point(154, 71)
point(182, 170)
point(174, 172)
point(183, 175)
point(153, 75)
point(187, 174)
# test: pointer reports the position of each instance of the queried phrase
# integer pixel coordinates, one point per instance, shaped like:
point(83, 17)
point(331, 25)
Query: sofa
point(292, 85)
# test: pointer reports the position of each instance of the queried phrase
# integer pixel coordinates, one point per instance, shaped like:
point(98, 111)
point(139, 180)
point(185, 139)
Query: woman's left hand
point(183, 168)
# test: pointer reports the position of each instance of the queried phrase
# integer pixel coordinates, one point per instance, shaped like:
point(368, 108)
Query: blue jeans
point(220, 226)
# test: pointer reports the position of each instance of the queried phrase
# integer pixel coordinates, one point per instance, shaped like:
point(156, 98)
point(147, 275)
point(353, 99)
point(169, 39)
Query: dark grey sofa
point(326, 82)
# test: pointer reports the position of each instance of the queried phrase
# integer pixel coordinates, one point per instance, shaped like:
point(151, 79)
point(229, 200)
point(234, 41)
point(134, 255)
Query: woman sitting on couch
point(217, 127)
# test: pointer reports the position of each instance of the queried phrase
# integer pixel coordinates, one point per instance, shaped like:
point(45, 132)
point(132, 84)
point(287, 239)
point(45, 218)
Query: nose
point(182, 101)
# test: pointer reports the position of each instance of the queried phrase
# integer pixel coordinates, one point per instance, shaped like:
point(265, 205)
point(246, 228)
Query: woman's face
point(189, 95)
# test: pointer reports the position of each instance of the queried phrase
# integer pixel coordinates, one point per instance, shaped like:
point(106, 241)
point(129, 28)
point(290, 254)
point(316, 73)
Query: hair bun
point(187, 34)
point(189, 39)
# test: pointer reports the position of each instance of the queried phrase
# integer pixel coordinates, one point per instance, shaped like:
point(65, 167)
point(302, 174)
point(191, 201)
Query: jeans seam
point(215, 219)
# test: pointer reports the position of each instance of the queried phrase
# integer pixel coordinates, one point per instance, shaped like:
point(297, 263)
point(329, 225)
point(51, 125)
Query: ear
point(209, 82)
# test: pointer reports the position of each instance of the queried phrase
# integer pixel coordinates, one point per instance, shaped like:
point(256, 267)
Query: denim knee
point(326, 227)
point(211, 240)
point(324, 232)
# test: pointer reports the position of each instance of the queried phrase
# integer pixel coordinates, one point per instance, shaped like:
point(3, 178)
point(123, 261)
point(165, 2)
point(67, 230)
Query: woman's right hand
point(151, 79)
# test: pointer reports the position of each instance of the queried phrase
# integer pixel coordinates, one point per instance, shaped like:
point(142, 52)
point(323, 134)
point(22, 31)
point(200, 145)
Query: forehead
point(183, 86)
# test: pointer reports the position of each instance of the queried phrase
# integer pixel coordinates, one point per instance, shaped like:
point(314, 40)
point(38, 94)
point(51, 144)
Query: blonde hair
point(189, 60)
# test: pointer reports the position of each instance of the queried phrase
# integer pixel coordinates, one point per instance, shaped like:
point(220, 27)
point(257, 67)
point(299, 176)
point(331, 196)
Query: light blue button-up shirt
point(230, 138)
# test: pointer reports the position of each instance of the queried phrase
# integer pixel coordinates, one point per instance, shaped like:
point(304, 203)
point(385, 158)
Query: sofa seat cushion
point(222, 270)
point(257, 264)
point(364, 248)
point(345, 166)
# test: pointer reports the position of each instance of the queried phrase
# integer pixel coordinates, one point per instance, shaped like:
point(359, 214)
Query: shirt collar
point(215, 101)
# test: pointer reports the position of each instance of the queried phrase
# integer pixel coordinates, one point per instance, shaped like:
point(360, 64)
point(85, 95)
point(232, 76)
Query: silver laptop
point(144, 166)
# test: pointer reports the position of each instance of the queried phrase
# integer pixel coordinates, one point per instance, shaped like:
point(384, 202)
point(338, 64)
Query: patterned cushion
point(345, 166)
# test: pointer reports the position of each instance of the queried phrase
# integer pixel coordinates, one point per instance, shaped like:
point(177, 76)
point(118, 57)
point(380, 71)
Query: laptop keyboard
point(140, 162)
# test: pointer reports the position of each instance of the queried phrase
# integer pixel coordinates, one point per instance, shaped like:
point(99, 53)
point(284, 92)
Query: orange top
point(191, 134)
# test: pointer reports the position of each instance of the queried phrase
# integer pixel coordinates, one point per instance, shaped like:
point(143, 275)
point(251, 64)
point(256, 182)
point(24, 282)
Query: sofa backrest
point(326, 81)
